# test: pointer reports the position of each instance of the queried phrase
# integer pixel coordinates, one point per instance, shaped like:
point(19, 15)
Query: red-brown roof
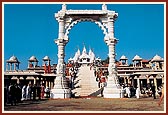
point(145, 60)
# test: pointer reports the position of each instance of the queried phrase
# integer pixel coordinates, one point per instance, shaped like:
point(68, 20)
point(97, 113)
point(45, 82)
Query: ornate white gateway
point(105, 20)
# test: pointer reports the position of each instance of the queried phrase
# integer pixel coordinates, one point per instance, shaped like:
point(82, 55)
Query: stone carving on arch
point(103, 18)
point(69, 26)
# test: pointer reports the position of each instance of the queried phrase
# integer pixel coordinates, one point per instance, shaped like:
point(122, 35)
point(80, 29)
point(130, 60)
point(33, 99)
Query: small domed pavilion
point(12, 63)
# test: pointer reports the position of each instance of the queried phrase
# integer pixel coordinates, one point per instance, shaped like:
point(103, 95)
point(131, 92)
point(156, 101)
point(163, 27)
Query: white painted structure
point(137, 59)
point(105, 20)
point(32, 62)
point(12, 63)
point(84, 57)
point(124, 60)
point(157, 62)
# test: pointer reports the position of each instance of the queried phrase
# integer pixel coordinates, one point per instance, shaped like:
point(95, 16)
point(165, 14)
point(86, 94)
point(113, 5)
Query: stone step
point(86, 82)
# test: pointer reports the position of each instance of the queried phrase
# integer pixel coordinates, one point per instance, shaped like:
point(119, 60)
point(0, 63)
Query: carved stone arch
point(73, 23)
point(104, 18)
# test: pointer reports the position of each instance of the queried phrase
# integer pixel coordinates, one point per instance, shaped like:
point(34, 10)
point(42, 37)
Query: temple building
point(12, 63)
point(84, 57)
point(140, 72)
point(34, 74)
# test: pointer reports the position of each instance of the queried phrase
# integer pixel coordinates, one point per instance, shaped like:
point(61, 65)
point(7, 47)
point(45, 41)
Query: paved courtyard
point(89, 104)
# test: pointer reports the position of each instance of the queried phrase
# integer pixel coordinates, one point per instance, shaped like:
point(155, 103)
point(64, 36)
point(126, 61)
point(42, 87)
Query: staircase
point(85, 83)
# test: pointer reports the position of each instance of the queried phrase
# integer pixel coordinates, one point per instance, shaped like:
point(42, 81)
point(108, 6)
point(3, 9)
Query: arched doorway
point(85, 34)
point(105, 20)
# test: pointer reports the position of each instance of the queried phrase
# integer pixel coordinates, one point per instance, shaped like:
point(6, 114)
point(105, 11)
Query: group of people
point(100, 78)
point(16, 93)
point(130, 91)
point(73, 73)
point(12, 94)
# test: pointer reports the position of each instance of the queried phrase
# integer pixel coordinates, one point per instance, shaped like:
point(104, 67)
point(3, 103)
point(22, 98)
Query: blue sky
point(30, 29)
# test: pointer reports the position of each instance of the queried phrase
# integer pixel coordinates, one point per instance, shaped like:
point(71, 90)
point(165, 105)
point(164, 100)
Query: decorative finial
point(63, 6)
point(104, 7)
point(83, 44)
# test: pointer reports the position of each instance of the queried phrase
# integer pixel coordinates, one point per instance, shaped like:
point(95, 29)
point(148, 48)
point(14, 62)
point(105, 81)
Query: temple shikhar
point(139, 73)
point(84, 57)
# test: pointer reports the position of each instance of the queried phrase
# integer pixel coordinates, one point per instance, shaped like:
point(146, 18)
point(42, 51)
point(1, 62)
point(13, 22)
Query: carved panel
point(69, 26)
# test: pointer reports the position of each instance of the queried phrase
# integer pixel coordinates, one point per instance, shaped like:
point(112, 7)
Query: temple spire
point(84, 50)
point(78, 51)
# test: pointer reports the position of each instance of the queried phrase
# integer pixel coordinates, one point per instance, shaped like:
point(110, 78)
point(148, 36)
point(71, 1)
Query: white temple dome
point(123, 57)
point(13, 59)
point(157, 58)
point(46, 58)
point(137, 58)
point(83, 57)
point(33, 59)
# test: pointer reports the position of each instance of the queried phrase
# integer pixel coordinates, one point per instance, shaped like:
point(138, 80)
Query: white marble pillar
point(138, 82)
point(126, 61)
point(7, 64)
point(61, 89)
point(14, 66)
point(10, 67)
point(141, 63)
point(34, 64)
point(147, 78)
point(111, 67)
point(111, 44)
point(46, 84)
point(112, 90)
point(60, 59)
point(35, 80)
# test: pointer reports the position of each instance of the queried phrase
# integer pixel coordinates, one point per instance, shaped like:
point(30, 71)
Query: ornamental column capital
point(60, 15)
point(112, 15)
point(111, 41)
point(62, 42)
